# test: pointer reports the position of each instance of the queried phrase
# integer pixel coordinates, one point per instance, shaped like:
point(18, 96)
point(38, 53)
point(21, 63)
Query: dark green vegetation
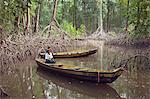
point(77, 17)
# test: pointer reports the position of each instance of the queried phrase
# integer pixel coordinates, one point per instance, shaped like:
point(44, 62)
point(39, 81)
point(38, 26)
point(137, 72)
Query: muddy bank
point(3, 93)
point(121, 40)
point(18, 48)
point(127, 41)
point(140, 45)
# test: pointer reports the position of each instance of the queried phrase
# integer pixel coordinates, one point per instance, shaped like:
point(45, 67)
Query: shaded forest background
point(77, 17)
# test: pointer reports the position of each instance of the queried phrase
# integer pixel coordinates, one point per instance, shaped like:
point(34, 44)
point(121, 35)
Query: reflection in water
point(75, 88)
point(22, 82)
point(138, 63)
point(136, 79)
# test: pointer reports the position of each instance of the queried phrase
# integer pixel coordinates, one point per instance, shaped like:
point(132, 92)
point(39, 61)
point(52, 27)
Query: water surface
point(26, 80)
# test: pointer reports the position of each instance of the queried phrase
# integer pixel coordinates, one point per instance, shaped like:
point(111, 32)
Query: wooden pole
point(102, 44)
point(101, 64)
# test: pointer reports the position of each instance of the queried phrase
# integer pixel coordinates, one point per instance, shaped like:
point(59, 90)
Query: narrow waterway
point(26, 80)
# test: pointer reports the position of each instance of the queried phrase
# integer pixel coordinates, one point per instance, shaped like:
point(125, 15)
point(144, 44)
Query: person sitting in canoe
point(49, 56)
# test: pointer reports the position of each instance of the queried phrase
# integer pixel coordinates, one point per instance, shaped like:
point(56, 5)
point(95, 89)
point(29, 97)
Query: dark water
point(26, 81)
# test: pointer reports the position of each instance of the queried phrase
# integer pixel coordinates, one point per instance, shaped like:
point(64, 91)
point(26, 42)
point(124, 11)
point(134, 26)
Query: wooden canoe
point(89, 74)
point(72, 54)
point(82, 87)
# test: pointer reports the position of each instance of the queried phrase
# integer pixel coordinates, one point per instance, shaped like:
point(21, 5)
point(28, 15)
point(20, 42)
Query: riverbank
point(127, 41)
point(18, 48)
point(23, 80)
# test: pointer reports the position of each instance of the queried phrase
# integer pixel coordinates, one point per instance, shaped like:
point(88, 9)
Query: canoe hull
point(84, 87)
point(100, 77)
point(71, 54)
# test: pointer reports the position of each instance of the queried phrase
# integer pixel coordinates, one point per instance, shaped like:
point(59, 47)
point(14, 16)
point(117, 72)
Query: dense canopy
point(77, 17)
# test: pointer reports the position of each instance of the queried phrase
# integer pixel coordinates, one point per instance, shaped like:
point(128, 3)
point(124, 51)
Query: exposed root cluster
point(99, 34)
point(54, 28)
point(18, 48)
point(121, 39)
point(128, 41)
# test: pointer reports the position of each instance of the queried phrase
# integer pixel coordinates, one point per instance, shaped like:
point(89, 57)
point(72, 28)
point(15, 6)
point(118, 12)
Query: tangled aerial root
point(120, 39)
point(13, 51)
point(17, 48)
point(128, 41)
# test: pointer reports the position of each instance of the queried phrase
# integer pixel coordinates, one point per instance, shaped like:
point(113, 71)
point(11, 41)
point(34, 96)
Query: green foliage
point(6, 14)
point(10, 9)
point(72, 30)
point(74, 15)
point(33, 6)
point(46, 13)
point(140, 18)
point(112, 34)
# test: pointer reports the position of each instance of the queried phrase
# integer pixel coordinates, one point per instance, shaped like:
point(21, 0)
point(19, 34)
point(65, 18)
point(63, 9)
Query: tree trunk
point(53, 18)
point(27, 21)
point(24, 19)
point(138, 15)
point(93, 20)
point(62, 18)
point(2, 34)
point(74, 15)
point(37, 18)
point(108, 11)
point(85, 16)
point(127, 18)
point(93, 24)
point(16, 23)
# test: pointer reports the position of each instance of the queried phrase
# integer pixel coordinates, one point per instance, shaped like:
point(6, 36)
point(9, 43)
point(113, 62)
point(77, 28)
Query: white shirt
point(48, 56)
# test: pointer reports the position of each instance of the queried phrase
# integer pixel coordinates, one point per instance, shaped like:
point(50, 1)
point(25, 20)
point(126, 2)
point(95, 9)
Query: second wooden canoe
point(72, 54)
